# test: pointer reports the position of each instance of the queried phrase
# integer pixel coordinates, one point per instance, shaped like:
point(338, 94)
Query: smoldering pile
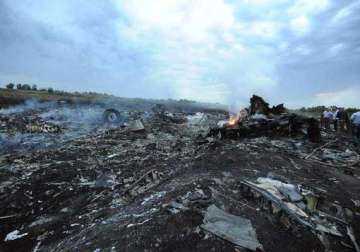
point(19, 123)
point(261, 120)
point(38, 125)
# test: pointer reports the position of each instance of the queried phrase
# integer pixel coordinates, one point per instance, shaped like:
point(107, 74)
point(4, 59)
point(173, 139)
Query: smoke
point(20, 142)
point(74, 121)
point(33, 104)
point(75, 117)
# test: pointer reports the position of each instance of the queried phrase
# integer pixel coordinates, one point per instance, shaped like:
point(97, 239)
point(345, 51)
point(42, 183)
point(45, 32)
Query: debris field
point(175, 181)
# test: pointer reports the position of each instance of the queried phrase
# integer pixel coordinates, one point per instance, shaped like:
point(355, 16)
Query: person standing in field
point(343, 120)
point(327, 117)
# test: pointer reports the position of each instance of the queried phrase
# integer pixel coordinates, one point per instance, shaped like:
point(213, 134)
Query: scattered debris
point(319, 148)
point(350, 233)
point(14, 235)
point(8, 216)
point(301, 205)
point(145, 181)
point(233, 228)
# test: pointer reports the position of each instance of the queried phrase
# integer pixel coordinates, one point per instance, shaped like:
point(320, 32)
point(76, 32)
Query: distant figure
point(327, 117)
point(335, 119)
point(343, 120)
point(355, 127)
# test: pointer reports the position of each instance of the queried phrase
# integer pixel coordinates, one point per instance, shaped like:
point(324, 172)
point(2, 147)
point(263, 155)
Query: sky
point(299, 52)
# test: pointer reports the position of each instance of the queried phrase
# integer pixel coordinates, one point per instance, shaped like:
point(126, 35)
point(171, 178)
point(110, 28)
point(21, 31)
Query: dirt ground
point(113, 189)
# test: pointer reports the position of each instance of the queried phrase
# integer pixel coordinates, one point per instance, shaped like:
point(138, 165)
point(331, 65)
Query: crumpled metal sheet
point(136, 125)
point(235, 229)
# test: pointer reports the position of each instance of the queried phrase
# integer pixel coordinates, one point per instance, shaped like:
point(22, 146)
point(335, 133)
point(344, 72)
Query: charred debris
point(261, 120)
point(81, 179)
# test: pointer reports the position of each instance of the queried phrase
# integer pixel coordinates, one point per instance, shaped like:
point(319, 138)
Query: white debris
point(287, 190)
point(330, 230)
point(270, 185)
point(153, 197)
point(41, 221)
point(356, 202)
point(113, 155)
point(14, 235)
point(258, 117)
point(222, 123)
point(196, 119)
point(137, 224)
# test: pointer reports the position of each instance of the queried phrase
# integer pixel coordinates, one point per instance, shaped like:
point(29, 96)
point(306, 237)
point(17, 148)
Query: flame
point(233, 120)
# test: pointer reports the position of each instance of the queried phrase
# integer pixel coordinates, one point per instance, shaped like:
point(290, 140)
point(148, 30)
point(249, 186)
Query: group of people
point(338, 117)
point(341, 121)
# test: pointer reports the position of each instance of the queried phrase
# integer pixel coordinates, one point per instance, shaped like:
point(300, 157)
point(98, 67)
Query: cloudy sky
point(301, 52)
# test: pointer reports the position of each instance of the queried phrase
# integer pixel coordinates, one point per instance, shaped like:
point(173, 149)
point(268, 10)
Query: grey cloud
point(81, 49)
point(84, 56)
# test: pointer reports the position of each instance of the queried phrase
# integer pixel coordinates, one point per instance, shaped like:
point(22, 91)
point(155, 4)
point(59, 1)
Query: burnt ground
point(119, 190)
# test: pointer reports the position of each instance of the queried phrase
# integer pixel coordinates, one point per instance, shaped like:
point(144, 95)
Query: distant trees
point(10, 86)
point(317, 109)
point(20, 86)
point(26, 87)
point(34, 87)
point(23, 86)
point(320, 109)
point(49, 90)
point(186, 101)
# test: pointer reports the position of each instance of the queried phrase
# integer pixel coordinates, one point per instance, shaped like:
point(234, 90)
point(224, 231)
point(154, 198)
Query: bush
point(10, 86)
point(351, 111)
point(34, 87)
point(50, 90)
point(18, 86)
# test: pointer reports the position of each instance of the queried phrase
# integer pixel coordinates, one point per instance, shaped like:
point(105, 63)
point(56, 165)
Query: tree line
point(320, 109)
point(50, 90)
point(33, 87)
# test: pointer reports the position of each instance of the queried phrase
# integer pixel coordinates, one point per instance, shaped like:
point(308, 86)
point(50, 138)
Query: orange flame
point(233, 120)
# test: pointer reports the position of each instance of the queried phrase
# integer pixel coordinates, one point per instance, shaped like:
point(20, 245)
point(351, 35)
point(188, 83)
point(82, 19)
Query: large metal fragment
point(136, 125)
point(232, 228)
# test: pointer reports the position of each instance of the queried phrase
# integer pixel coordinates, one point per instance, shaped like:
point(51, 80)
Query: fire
point(232, 120)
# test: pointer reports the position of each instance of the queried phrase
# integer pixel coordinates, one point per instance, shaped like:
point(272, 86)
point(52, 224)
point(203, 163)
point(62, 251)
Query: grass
point(10, 97)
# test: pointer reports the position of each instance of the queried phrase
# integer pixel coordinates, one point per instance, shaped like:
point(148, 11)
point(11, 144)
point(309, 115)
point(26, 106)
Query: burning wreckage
point(261, 120)
point(159, 180)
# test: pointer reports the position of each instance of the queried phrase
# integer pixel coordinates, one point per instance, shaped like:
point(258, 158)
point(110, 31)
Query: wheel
point(112, 116)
